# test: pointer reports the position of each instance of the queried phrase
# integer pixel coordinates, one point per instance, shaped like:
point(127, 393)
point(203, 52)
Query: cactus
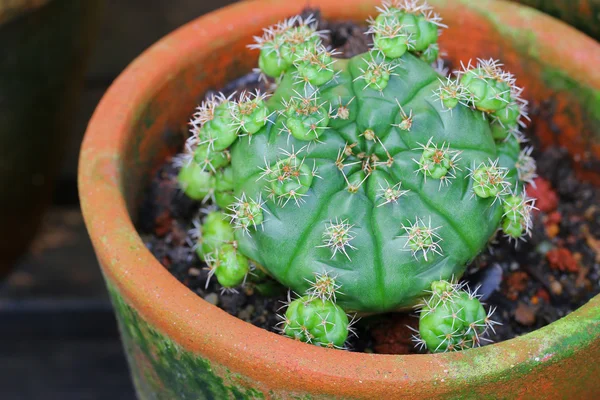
point(452, 319)
point(376, 172)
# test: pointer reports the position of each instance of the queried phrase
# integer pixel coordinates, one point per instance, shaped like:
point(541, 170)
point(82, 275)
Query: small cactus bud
point(210, 159)
point(376, 73)
point(316, 321)
point(215, 232)
point(389, 36)
point(505, 120)
point(283, 43)
point(450, 93)
point(517, 220)
point(220, 131)
point(297, 40)
point(423, 31)
point(390, 194)
point(229, 266)
point(197, 183)
point(290, 179)
point(337, 237)
point(452, 319)
point(431, 53)
point(489, 180)
point(246, 213)
point(315, 66)
point(250, 113)
point(406, 120)
point(488, 85)
point(438, 163)
point(271, 63)
point(416, 19)
point(306, 118)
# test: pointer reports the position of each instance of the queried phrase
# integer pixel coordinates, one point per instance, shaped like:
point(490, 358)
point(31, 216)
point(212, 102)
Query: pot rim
point(205, 329)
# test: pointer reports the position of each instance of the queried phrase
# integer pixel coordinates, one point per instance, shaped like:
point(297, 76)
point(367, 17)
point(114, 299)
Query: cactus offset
point(375, 172)
point(452, 319)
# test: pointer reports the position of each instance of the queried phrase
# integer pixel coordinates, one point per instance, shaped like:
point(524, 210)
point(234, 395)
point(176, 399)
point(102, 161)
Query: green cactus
point(228, 265)
point(317, 321)
point(375, 170)
point(452, 319)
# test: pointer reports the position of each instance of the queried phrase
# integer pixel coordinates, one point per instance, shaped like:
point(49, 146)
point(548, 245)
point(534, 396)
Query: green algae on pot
point(582, 14)
point(163, 369)
point(44, 46)
point(132, 132)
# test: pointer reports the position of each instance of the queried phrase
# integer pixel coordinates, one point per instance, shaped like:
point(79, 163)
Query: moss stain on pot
point(163, 369)
point(169, 371)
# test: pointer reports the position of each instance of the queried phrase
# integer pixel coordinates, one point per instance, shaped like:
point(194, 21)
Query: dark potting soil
point(556, 271)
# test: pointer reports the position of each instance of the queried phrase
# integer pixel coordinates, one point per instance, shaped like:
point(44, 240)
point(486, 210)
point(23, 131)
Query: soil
point(556, 271)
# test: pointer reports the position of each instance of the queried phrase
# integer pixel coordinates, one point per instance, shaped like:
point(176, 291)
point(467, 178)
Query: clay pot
point(582, 14)
point(179, 346)
point(44, 44)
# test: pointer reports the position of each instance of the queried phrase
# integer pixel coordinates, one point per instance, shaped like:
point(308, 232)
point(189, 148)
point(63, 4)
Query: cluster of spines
point(452, 318)
point(489, 180)
point(421, 238)
point(304, 116)
point(438, 162)
point(376, 72)
point(338, 236)
point(390, 193)
point(526, 166)
point(287, 44)
point(246, 213)
point(406, 120)
point(289, 178)
point(451, 93)
point(348, 159)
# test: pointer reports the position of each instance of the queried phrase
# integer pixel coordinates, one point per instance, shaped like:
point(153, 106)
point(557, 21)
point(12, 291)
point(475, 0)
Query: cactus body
point(379, 274)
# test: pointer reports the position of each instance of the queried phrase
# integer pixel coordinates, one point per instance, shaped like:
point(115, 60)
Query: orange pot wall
point(175, 338)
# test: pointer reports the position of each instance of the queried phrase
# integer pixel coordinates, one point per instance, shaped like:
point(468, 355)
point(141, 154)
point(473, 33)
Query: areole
point(138, 123)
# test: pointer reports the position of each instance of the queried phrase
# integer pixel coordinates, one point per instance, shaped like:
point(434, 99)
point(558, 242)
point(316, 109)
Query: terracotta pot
point(179, 346)
point(582, 14)
point(44, 44)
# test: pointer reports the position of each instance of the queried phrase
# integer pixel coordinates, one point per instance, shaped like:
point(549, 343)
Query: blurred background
point(58, 337)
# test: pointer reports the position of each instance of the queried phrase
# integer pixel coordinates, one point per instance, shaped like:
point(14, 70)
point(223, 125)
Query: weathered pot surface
point(179, 346)
point(582, 14)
